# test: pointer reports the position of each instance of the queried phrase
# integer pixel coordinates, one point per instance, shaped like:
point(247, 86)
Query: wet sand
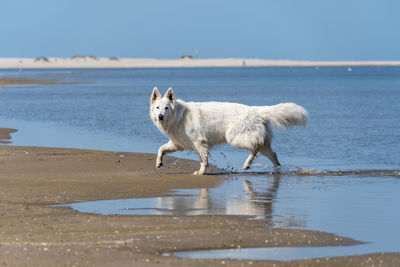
point(34, 234)
point(12, 82)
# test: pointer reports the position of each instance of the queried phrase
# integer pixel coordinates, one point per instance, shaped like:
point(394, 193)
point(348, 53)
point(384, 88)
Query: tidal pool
point(359, 205)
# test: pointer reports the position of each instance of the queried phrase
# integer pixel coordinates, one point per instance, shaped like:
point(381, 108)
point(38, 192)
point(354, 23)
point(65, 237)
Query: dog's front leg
point(169, 147)
point(202, 151)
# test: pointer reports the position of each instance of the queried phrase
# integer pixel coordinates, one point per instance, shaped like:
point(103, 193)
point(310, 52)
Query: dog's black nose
point(161, 117)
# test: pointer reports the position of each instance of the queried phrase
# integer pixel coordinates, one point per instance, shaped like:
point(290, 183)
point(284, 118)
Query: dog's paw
point(246, 167)
point(199, 173)
point(159, 165)
point(278, 169)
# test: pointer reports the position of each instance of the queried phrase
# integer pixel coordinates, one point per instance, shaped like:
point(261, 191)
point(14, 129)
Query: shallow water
point(276, 253)
point(355, 206)
point(353, 120)
point(353, 129)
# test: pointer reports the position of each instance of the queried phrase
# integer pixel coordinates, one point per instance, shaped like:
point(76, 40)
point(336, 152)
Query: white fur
point(198, 126)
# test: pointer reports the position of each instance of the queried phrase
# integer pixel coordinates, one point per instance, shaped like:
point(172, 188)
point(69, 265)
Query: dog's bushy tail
point(285, 115)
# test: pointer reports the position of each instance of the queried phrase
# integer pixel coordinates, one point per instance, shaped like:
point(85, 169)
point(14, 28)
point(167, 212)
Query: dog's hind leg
point(169, 147)
point(202, 151)
point(250, 159)
point(267, 151)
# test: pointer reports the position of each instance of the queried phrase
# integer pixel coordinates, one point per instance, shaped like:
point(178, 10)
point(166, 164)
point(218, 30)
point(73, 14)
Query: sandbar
point(92, 62)
point(5, 135)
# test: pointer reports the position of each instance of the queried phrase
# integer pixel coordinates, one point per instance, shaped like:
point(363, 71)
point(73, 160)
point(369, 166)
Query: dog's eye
point(166, 107)
point(157, 107)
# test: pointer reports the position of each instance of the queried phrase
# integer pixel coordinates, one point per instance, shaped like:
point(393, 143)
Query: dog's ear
point(170, 95)
point(155, 95)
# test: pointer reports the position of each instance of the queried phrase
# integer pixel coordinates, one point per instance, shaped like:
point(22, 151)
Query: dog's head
point(161, 108)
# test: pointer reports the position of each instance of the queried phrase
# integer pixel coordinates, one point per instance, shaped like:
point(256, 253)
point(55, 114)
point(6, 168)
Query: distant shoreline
point(87, 62)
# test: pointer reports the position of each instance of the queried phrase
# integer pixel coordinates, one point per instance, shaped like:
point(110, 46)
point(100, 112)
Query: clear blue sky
point(269, 29)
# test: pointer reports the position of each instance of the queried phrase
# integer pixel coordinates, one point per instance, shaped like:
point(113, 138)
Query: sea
point(340, 173)
point(353, 123)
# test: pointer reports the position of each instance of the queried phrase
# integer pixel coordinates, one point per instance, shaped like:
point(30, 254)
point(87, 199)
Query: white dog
point(198, 126)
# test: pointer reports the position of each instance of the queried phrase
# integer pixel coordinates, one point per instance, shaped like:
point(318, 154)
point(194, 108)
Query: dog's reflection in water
point(256, 200)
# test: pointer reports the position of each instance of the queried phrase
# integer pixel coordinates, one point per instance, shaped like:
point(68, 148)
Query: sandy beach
point(33, 233)
point(89, 62)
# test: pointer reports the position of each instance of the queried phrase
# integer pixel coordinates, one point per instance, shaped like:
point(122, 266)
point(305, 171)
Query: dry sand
point(34, 234)
point(29, 63)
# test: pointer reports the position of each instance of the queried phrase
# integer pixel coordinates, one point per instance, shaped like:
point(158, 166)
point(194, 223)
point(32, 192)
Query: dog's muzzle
point(161, 117)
